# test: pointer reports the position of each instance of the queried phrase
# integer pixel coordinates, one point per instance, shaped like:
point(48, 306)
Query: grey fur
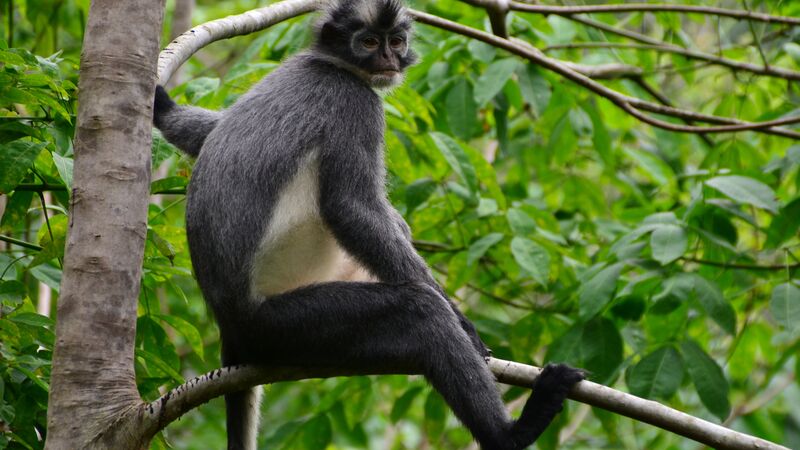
point(296, 164)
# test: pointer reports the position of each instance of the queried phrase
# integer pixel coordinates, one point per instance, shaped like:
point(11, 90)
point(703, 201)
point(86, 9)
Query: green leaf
point(478, 248)
point(32, 319)
point(16, 210)
point(713, 302)
point(708, 379)
point(668, 242)
point(493, 79)
point(157, 362)
point(48, 275)
point(186, 329)
point(534, 87)
point(64, 167)
point(458, 160)
point(16, 158)
point(168, 183)
point(520, 222)
point(435, 416)
point(785, 225)
point(745, 190)
point(532, 257)
point(653, 165)
point(418, 192)
point(162, 245)
point(316, 434)
point(52, 247)
point(658, 374)
point(598, 291)
point(462, 112)
point(403, 404)
point(785, 306)
point(12, 292)
point(601, 349)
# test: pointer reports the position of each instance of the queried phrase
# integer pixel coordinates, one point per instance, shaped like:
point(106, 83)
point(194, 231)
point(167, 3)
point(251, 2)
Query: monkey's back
point(252, 217)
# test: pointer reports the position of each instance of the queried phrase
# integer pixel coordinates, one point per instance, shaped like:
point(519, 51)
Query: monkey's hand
point(162, 104)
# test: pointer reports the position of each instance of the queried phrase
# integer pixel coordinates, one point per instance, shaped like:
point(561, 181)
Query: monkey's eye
point(396, 41)
point(370, 43)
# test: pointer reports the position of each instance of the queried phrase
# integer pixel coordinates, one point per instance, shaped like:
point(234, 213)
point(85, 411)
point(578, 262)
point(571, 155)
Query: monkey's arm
point(185, 127)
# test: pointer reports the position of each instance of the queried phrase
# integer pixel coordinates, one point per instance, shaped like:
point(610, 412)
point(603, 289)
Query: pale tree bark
point(93, 391)
point(181, 21)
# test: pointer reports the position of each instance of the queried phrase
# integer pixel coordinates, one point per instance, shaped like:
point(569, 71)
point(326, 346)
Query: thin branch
point(627, 103)
point(188, 43)
point(661, 98)
point(765, 70)
point(737, 266)
point(158, 414)
point(644, 7)
point(25, 244)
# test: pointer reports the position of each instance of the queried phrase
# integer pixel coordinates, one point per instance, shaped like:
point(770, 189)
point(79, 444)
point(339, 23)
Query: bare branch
point(627, 103)
point(158, 414)
point(766, 70)
point(644, 7)
point(188, 43)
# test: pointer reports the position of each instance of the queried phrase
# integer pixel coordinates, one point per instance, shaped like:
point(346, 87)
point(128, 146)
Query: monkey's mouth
point(385, 73)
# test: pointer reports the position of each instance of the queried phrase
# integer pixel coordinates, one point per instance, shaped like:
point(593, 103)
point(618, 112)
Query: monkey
point(297, 250)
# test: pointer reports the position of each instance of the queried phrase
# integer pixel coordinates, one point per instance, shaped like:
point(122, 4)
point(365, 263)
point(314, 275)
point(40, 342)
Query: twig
point(644, 7)
point(661, 98)
point(737, 266)
point(654, 44)
point(19, 242)
point(765, 70)
point(627, 103)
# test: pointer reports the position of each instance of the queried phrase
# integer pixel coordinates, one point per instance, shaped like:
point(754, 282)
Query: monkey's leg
point(408, 328)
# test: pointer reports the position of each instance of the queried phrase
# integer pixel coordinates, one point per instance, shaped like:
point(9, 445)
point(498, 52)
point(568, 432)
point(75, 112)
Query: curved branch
point(158, 414)
point(643, 7)
point(188, 43)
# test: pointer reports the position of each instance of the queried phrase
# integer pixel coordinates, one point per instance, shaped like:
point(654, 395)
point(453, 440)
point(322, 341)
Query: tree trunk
point(93, 384)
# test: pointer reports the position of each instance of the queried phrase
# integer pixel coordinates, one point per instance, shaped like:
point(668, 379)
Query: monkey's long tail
point(185, 127)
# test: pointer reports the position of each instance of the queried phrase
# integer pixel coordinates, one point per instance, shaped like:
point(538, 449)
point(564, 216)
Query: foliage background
point(664, 263)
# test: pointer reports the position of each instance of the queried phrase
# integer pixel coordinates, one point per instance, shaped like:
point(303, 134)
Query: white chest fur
point(297, 248)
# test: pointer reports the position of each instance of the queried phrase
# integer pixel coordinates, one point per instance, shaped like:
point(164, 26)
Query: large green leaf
point(745, 190)
point(785, 306)
point(186, 329)
point(708, 379)
point(668, 242)
point(493, 79)
point(478, 248)
point(16, 158)
point(532, 257)
point(601, 349)
point(785, 225)
point(462, 111)
point(658, 374)
point(598, 291)
point(458, 160)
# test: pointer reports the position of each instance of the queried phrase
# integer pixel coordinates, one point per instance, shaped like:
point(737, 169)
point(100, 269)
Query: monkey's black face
point(383, 55)
point(370, 36)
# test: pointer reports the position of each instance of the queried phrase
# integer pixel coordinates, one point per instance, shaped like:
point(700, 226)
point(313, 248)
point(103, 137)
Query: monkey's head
point(370, 37)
